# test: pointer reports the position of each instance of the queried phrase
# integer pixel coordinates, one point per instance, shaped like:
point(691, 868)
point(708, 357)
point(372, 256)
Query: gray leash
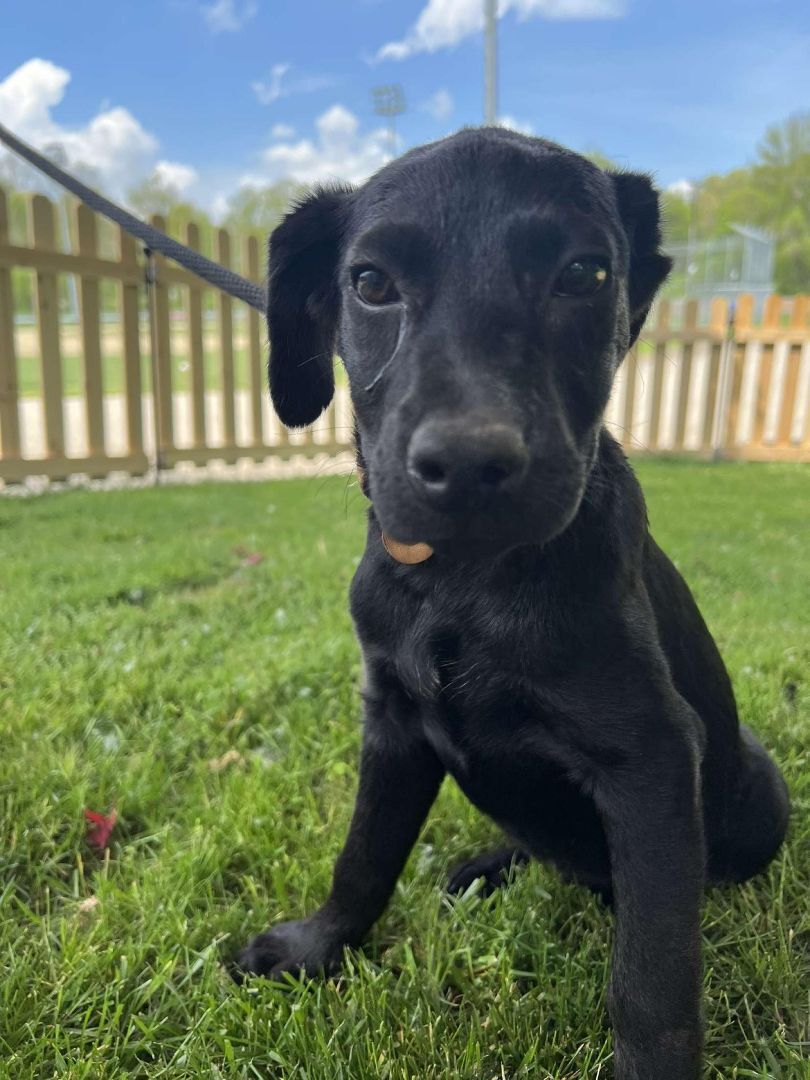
point(155, 240)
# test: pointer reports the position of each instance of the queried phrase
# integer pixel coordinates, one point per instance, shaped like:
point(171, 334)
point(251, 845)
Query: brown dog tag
point(409, 554)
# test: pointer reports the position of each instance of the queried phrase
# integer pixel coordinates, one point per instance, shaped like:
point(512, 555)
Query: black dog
point(482, 292)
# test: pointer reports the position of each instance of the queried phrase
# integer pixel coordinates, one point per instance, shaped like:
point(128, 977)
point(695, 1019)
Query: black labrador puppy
point(520, 628)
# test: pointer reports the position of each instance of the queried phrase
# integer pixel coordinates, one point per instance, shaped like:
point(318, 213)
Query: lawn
point(150, 661)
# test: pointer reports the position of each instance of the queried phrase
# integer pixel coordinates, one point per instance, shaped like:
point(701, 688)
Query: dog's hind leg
point(758, 818)
point(495, 867)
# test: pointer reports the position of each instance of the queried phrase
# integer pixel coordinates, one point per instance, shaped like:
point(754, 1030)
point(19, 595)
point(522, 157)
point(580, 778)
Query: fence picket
point(41, 219)
point(629, 396)
point(255, 369)
point(790, 385)
point(161, 344)
point(90, 318)
point(770, 322)
point(9, 388)
point(656, 384)
point(685, 376)
point(196, 347)
point(223, 256)
point(717, 329)
point(743, 318)
point(131, 339)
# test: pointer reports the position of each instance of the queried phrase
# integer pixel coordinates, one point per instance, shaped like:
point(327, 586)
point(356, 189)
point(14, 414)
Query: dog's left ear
point(303, 305)
point(639, 208)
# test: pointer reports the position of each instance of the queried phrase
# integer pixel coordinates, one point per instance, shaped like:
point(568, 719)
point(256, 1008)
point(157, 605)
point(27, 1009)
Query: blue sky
point(215, 93)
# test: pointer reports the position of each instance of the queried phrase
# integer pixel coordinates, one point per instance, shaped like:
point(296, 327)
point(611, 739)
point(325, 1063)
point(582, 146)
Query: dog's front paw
point(299, 948)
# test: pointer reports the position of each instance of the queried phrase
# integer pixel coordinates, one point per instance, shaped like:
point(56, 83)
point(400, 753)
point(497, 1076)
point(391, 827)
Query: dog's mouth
point(413, 532)
point(465, 538)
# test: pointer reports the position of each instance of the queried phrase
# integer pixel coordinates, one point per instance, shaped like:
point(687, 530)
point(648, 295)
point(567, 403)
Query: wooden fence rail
point(182, 379)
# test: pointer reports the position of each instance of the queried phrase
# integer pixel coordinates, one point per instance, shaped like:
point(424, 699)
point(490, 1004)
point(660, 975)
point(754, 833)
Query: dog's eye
point(374, 287)
point(582, 278)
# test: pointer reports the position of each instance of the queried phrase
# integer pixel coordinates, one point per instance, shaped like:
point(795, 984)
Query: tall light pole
point(490, 61)
point(389, 101)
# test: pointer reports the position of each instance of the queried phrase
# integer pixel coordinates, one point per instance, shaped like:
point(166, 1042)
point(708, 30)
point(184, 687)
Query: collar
point(406, 554)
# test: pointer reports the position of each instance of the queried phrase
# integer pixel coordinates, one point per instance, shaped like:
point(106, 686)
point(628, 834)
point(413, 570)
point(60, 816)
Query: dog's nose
point(452, 462)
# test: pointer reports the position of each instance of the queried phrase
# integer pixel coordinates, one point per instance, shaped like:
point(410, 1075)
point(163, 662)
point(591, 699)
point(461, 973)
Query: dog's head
point(481, 292)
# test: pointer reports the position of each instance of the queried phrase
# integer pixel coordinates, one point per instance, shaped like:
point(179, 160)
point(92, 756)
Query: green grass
point(137, 650)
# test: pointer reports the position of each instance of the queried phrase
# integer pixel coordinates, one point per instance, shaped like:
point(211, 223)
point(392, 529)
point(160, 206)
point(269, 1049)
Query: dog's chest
point(482, 720)
point(483, 675)
point(497, 743)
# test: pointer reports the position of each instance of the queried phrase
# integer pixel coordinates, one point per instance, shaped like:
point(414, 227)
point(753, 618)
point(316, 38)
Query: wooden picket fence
point(183, 382)
point(730, 386)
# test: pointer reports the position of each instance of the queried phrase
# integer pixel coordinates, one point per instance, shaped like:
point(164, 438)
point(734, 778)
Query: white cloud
point(282, 131)
point(268, 91)
point(28, 94)
point(685, 188)
point(440, 105)
point(174, 176)
point(111, 150)
point(228, 16)
point(220, 205)
point(339, 151)
point(515, 125)
point(443, 23)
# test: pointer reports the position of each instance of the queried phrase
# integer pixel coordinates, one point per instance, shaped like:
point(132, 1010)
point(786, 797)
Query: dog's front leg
point(652, 814)
point(399, 778)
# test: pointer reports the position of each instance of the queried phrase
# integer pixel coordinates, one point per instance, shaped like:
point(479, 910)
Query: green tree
point(257, 211)
point(153, 196)
point(676, 216)
point(772, 193)
point(721, 201)
point(781, 178)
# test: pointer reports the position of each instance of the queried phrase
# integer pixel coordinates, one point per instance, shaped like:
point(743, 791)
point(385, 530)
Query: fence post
point(9, 390)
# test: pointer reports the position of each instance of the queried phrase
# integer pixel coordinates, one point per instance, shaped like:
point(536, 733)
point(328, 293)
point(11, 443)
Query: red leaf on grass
point(99, 828)
point(249, 558)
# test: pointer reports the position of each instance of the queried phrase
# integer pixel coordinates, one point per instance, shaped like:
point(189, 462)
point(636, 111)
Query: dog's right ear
point(303, 305)
point(639, 207)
